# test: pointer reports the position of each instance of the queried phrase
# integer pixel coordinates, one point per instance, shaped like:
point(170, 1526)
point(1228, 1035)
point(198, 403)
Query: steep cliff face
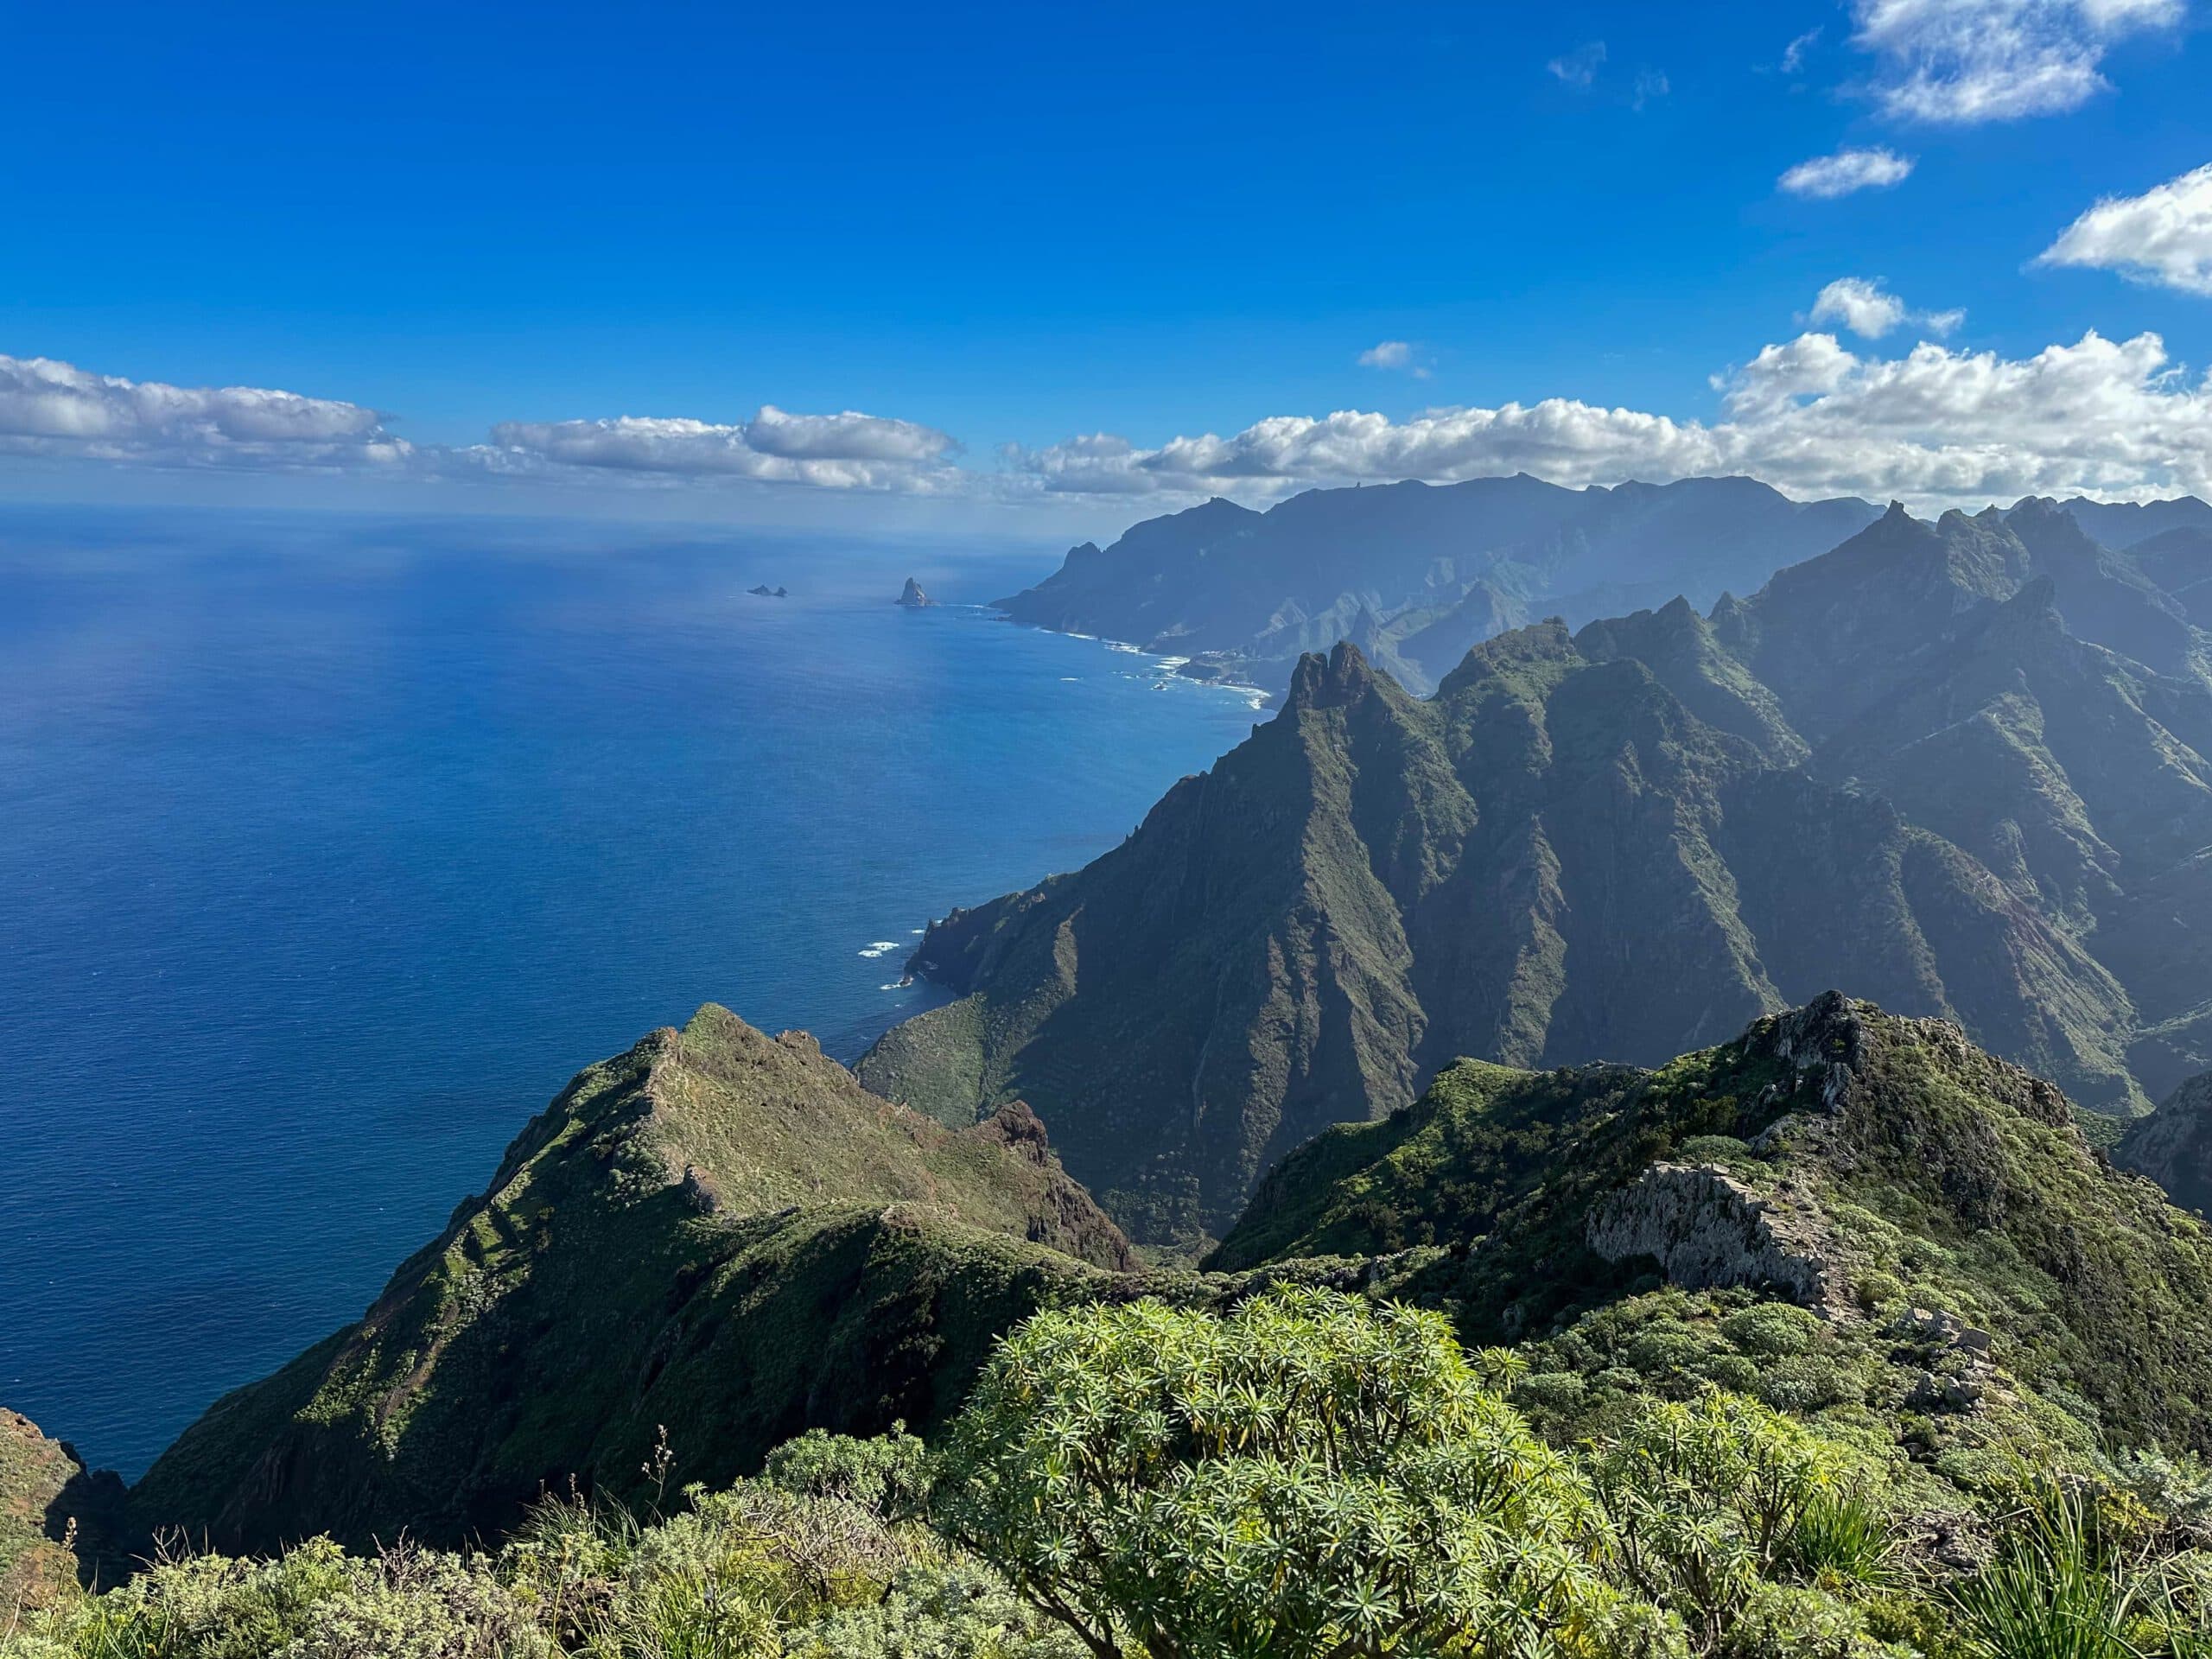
point(719, 1232)
point(1707, 1230)
point(2173, 1146)
point(1895, 768)
point(35, 1473)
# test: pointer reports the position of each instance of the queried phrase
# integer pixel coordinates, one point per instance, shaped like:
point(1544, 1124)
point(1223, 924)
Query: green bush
point(1711, 1502)
point(1775, 1330)
point(1306, 1477)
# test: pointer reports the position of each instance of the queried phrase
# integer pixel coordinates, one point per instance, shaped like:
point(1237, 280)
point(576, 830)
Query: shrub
point(1711, 1500)
point(889, 1474)
point(1773, 1329)
point(2060, 1586)
point(1306, 1477)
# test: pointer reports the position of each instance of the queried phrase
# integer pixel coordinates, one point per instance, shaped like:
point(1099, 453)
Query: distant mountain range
point(1959, 767)
point(1414, 574)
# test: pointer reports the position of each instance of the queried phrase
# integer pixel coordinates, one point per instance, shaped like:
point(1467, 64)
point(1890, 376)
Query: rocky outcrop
point(1709, 1231)
point(1064, 1214)
point(913, 598)
point(33, 1472)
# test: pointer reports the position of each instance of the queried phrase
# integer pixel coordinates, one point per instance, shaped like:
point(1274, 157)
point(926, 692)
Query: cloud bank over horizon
point(1934, 425)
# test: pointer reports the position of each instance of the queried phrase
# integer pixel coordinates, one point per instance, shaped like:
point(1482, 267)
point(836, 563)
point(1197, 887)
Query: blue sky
point(992, 226)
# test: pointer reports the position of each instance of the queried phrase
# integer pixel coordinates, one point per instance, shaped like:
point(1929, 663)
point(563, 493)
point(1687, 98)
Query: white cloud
point(847, 451)
point(1580, 67)
point(57, 412)
point(1650, 83)
point(1967, 61)
point(2162, 237)
point(1870, 311)
point(1826, 177)
point(53, 409)
point(1390, 354)
point(1793, 55)
point(1936, 426)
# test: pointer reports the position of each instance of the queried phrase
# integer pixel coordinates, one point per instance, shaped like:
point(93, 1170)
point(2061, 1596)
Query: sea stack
point(913, 598)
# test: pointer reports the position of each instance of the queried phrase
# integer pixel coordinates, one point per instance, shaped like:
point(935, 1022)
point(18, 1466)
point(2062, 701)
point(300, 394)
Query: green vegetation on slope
point(34, 1473)
point(718, 1231)
point(1923, 766)
point(1863, 1164)
point(1312, 1476)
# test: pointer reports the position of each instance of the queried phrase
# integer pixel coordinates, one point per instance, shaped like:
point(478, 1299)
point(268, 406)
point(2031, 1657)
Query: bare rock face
point(913, 598)
point(2173, 1144)
point(1708, 1230)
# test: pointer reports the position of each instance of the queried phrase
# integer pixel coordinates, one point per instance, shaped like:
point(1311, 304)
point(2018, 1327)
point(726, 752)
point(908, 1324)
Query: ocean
point(330, 847)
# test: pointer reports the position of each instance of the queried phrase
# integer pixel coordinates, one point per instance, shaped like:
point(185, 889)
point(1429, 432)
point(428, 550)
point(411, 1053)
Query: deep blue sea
point(330, 848)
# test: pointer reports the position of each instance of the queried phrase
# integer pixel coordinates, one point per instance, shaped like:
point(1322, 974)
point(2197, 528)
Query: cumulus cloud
point(2162, 237)
point(1826, 177)
point(55, 409)
point(1870, 311)
point(1967, 61)
point(1580, 67)
point(847, 451)
point(1936, 426)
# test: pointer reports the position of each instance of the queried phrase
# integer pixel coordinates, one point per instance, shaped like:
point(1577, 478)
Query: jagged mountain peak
point(1328, 682)
point(1602, 844)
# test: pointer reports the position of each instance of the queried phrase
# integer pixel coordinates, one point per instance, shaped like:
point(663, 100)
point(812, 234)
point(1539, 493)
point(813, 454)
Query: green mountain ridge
point(1895, 767)
point(1858, 1217)
point(1833, 1155)
point(718, 1233)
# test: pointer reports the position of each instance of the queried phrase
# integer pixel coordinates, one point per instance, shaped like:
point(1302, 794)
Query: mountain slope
point(2129, 523)
point(1833, 1155)
point(35, 1472)
point(2179, 561)
point(1897, 767)
point(718, 1232)
point(1417, 574)
point(1552, 859)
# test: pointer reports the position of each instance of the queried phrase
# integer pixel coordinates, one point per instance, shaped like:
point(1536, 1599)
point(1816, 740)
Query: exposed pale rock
point(1708, 1230)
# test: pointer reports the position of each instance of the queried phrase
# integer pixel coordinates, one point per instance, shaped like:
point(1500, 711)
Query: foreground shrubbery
point(1309, 1476)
